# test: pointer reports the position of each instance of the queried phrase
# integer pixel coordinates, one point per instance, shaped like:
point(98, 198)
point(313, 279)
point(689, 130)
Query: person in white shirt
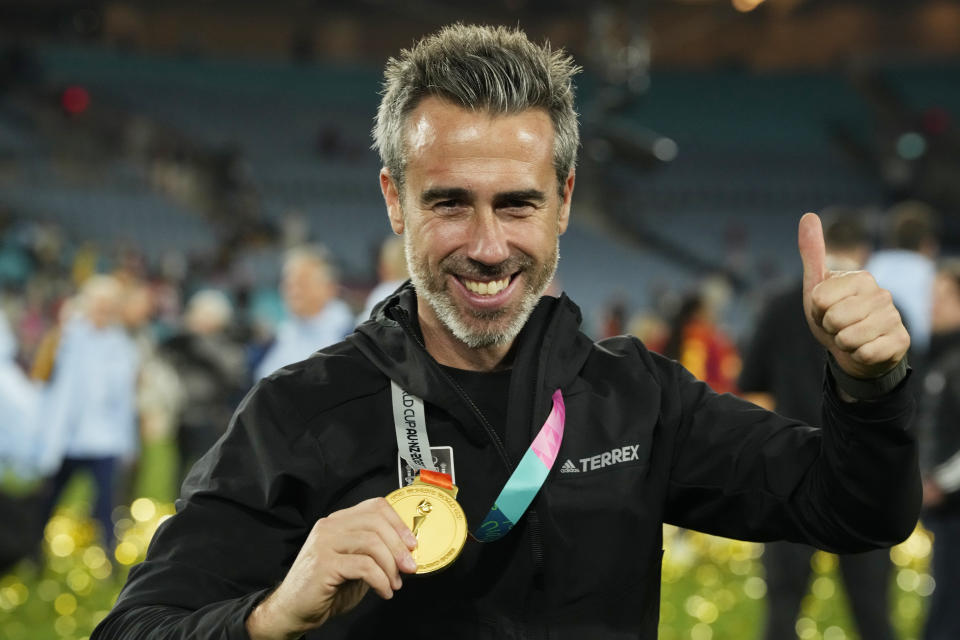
point(906, 268)
point(88, 415)
point(317, 317)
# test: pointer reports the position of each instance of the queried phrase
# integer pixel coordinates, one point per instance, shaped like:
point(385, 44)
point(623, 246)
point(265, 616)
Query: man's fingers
point(396, 534)
point(373, 529)
point(888, 348)
point(369, 543)
point(393, 518)
point(365, 568)
point(839, 286)
point(813, 252)
point(856, 308)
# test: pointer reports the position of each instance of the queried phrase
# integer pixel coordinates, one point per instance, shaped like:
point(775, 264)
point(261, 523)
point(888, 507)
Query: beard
point(478, 328)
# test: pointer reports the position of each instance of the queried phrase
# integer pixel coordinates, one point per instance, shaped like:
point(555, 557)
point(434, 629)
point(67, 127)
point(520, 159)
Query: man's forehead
point(435, 120)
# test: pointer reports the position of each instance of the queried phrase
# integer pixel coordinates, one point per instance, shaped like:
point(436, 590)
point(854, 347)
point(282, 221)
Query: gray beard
point(433, 289)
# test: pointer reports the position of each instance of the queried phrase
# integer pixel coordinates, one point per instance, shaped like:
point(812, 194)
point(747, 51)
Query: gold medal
point(431, 511)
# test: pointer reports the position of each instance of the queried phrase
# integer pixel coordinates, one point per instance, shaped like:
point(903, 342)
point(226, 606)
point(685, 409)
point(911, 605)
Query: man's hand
point(848, 312)
point(346, 553)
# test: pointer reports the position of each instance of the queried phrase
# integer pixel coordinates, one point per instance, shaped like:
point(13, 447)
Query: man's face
point(306, 287)
point(481, 217)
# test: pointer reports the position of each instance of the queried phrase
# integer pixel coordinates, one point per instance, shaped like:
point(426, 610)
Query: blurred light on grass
point(62, 545)
point(65, 625)
point(755, 587)
point(806, 628)
point(143, 509)
point(834, 633)
point(94, 557)
point(126, 553)
point(824, 588)
point(908, 579)
point(701, 631)
point(48, 590)
point(79, 581)
point(65, 604)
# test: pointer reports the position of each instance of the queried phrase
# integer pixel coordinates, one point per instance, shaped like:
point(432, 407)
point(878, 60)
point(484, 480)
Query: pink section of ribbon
point(547, 443)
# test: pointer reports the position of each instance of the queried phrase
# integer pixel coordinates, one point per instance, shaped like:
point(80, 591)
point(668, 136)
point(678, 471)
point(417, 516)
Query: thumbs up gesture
point(848, 312)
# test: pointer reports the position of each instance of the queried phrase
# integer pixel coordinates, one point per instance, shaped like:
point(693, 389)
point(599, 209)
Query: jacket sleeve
point(237, 530)
point(744, 472)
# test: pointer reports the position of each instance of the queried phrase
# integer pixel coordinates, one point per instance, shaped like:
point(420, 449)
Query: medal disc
point(437, 521)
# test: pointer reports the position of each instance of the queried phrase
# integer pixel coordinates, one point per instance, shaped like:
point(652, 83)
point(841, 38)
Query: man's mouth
point(485, 288)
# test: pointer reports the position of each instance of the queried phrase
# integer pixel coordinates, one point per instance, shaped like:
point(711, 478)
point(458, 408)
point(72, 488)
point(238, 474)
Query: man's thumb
point(813, 252)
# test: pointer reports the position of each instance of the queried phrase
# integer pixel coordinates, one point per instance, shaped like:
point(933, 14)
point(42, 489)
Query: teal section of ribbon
point(526, 479)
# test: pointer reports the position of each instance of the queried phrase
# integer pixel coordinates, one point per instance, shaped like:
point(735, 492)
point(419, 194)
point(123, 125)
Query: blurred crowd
point(101, 353)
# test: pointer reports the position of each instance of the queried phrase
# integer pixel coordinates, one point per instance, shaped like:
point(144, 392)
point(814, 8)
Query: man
point(318, 318)
point(783, 371)
point(940, 454)
point(283, 528)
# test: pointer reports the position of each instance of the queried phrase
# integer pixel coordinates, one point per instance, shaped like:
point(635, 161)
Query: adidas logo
point(569, 467)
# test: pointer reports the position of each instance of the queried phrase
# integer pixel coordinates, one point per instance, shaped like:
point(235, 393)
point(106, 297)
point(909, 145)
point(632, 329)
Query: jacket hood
point(548, 354)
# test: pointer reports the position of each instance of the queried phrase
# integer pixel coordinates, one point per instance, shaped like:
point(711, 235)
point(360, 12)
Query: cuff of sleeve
point(867, 389)
point(238, 625)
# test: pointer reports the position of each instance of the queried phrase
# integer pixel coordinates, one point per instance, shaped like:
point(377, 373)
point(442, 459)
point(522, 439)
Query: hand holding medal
point(346, 554)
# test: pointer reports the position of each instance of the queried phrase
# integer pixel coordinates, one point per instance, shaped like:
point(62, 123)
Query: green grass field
point(712, 588)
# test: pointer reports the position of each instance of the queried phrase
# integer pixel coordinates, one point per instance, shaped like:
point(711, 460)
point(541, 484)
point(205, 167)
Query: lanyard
point(524, 482)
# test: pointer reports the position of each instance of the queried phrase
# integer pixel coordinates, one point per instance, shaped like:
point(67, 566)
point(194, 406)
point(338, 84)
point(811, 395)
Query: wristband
point(867, 388)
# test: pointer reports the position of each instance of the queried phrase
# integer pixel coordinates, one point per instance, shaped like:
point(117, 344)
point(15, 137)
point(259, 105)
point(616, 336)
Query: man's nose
point(488, 239)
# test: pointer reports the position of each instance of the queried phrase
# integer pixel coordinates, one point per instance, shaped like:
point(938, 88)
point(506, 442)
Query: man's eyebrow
point(444, 193)
point(534, 195)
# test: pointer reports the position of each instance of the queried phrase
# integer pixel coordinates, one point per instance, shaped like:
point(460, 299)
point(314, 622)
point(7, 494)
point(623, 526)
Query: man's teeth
point(486, 288)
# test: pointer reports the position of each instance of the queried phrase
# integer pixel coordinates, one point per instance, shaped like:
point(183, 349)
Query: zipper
point(491, 432)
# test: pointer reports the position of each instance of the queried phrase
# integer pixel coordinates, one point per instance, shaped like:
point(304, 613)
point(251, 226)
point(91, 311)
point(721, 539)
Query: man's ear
point(564, 218)
point(391, 195)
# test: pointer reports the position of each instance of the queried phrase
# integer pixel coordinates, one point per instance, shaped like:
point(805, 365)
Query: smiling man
point(470, 402)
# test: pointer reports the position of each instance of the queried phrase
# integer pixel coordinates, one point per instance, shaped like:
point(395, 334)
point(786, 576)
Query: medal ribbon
point(411, 426)
point(524, 482)
point(527, 478)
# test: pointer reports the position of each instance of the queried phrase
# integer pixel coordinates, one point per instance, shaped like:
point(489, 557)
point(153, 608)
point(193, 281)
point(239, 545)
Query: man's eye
point(449, 206)
point(518, 207)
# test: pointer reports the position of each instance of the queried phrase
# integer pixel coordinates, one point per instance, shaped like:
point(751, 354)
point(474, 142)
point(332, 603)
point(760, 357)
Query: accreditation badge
point(429, 507)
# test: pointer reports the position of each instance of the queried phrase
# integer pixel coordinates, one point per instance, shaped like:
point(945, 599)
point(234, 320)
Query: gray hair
point(479, 68)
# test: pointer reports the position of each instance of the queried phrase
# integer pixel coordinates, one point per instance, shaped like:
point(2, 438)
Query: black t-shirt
point(785, 360)
point(488, 390)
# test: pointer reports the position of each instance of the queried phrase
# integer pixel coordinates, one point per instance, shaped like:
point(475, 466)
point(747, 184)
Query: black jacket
point(585, 560)
point(939, 415)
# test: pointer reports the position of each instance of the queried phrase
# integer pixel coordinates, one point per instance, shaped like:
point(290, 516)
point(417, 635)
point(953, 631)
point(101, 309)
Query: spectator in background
point(138, 310)
point(88, 415)
point(906, 268)
point(210, 369)
point(41, 368)
point(318, 318)
point(696, 342)
point(939, 428)
point(783, 370)
point(392, 272)
point(19, 400)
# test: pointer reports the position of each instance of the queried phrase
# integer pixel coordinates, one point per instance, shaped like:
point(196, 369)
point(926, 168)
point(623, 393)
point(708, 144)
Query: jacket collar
point(549, 353)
